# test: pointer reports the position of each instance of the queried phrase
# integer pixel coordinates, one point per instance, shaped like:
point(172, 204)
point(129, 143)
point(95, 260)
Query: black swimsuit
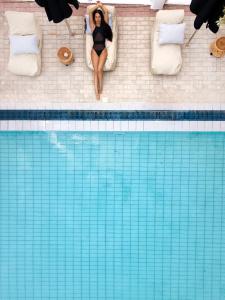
point(99, 40)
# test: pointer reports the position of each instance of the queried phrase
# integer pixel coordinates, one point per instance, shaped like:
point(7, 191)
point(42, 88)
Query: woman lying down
point(99, 18)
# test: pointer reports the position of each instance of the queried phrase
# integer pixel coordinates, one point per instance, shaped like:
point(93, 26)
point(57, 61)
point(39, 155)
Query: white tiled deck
point(201, 82)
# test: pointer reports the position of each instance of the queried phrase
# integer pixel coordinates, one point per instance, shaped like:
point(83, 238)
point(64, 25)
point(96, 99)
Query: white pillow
point(171, 33)
point(157, 4)
point(88, 28)
point(23, 44)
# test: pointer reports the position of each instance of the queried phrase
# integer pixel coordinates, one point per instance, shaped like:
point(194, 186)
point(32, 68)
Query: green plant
point(221, 20)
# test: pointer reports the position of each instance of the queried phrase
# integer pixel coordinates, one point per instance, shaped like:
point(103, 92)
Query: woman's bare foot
point(97, 97)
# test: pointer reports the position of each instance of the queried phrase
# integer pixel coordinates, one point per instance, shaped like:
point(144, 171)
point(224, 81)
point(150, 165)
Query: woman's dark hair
point(107, 31)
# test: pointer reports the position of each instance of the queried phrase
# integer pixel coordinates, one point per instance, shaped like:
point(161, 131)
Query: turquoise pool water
point(112, 216)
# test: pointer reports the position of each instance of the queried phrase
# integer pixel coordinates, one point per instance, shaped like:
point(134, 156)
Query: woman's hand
point(99, 4)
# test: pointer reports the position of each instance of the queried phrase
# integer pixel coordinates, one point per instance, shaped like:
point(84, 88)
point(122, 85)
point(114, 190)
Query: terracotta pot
point(65, 56)
point(217, 48)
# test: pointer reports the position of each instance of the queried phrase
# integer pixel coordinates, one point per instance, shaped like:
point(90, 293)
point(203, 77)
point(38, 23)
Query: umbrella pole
point(71, 33)
point(188, 42)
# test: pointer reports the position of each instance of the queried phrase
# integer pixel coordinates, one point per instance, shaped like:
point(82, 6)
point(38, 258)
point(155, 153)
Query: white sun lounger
point(110, 63)
point(166, 59)
point(24, 23)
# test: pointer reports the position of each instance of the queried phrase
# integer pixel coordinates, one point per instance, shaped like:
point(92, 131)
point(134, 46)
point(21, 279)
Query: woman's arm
point(105, 11)
point(91, 21)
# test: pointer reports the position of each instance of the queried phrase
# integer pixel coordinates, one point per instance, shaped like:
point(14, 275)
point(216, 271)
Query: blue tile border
point(151, 115)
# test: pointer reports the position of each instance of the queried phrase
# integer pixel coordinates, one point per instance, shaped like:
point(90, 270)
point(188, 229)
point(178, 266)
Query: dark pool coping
point(146, 115)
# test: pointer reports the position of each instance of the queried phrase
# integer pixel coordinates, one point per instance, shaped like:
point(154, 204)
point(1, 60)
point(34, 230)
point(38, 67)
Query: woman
point(99, 18)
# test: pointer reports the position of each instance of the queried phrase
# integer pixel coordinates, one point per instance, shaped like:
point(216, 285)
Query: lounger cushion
point(21, 23)
point(110, 63)
point(166, 59)
point(175, 16)
point(25, 64)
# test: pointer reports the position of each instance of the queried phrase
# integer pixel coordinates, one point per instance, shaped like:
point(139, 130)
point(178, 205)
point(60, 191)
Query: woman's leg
point(101, 63)
point(95, 62)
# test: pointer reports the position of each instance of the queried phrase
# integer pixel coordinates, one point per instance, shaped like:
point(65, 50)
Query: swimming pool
point(108, 215)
